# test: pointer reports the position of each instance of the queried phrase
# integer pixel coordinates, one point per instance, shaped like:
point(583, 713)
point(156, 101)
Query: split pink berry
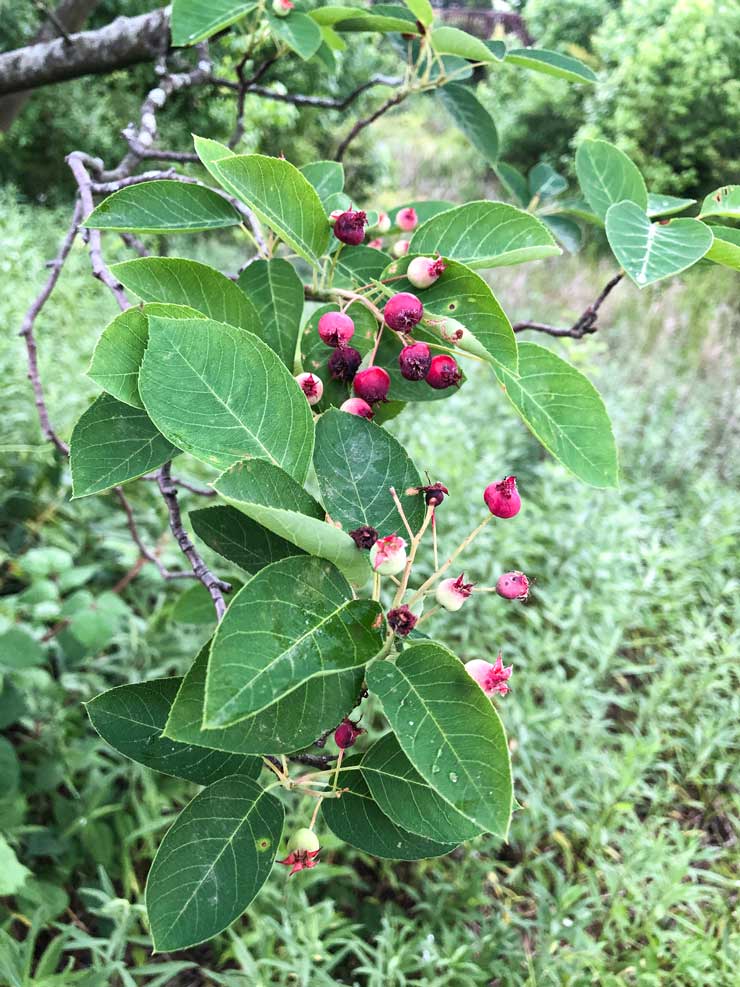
point(401, 620)
point(406, 219)
point(346, 734)
point(388, 555)
point(344, 363)
point(312, 387)
point(403, 311)
point(415, 361)
point(281, 8)
point(384, 222)
point(303, 848)
point(513, 586)
point(349, 227)
point(443, 372)
point(356, 406)
point(372, 385)
point(492, 678)
point(452, 593)
point(376, 244)
point(424, 271)
point(336, 328)
point(502, 499)
point(400, 248)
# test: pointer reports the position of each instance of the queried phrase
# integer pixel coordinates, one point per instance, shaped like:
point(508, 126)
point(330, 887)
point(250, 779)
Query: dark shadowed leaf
point(275, 290)
point(239, 539)
point(473, 119)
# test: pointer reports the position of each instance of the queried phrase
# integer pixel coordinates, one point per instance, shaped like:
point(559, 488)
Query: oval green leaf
point(298, 31)
point(666, 205)
point(163, 207)
point(473, 119)
point(606, 175)
point(327, 177)
point(723, 201)
point(725, 248)
point(275, 290)
point(238, 539)
point(453, 41)
point(195, 20)
point(551, 63)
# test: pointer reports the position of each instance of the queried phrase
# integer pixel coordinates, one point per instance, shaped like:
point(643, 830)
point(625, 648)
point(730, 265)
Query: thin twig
point(366, 121)
point(145, 552)
point(584, 324)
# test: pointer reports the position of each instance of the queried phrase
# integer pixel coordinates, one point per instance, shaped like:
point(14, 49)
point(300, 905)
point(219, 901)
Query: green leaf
point(327, 177)
point(299, 32)
point(214, 859)
point(131, 719)
point(449, 731)
point(359, 265)
point(269, 496)
point(385, 18)
point(497, 49)
point(545, 182)
point(210, 153)
point(293, 622)
point(565, 412)
point(576, 207)
point(10, 769)
point(286, 726)
point(424, 209)
point(276, 291)
point(462, 295)
point(195, 606)
point(282, 198)
point(356, 462)
point(565, 231)
point(551, 63)
point(195, 20)
point(163, 207)
point(237, 538)
point(113, 443)
point(666, 205)
point(187, 282)
point(357, 819)
point(13, 873)
point(513, 181)
point(606, 175)
point(211, 385)
point(485, 234)
point(404, 796)
point(453, 41)
point(422, 11)
point(725, 249)
point(333, 14)
point(723, 201)
point(649, 251)
point(473, 119)
point(18, 649)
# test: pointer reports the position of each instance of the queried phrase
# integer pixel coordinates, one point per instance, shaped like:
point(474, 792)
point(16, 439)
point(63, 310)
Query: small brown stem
point(584, 324)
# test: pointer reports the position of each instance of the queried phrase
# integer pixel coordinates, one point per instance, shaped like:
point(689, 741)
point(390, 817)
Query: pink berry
point(452, 593)
point(346, 734)
point(403, 311)
point(513, 586)
point(502, 499)
point(406, 219)
point(444, 372)
point(400, 247)
point(492, 678)
point(376, 244)
point(388, 555)
point(336, 328)
point(311, 386)
point(401, 620)
point(344, 363)
point(349, 227)
point(281, 8)
point(415, 361)
point(424, 271)
point(356, 406)
point(384, 222)
point(372, 385)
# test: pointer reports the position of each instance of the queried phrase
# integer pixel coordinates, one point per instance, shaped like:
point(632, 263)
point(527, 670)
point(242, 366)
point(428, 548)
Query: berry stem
point(446, 565)
point(378, 336)
point(329, 279)
point(337, 768)
point(399, 508)
point(415, 542)
point(426, 616)
point(315, 814)
point(376, 586)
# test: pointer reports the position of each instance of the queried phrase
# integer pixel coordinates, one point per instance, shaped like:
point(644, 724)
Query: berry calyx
point(364, 536)
point(452, 593)
point(492, 678)
point(403, 311)
point(388, 555)
point(513, 586)
point(372, 385)
point(356, 406)
point(303, 848)
point(281, 8)
point(443, 372)
point(384, 222)
point(414, 361)
point(424, 271)
point(312, 387)
point(349, 227)
point(346, 734)
point(344, 363)
point(502, 498)
point(401, 620)
point(400, 247)
point(407, 219)
point(335, 328)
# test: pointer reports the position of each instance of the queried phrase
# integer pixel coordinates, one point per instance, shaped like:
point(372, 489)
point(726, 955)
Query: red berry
point(403, 311)
point(349, 227)
point(344, 363)
point(372, 384)
point(513, 586)
point(356, 406)
point(444, 372)
point(346, 734)
point(502, 499)
point(336, 328)
point(406, 219)
point(415, 361)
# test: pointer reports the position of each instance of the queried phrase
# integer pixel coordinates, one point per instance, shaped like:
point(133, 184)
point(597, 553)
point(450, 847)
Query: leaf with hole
point(723, 202)
point(606, 176)
point(164, 206)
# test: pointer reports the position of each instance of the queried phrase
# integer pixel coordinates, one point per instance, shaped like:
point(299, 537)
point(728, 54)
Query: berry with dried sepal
point(384, 222)
point(356, 406)
point(414, 361)
point(401, 620)
point(388, 555)
point(407, 219)
point(492, 678)
point(502, 498)
point(372, 384)
point(335, 328)
point(365, 536)
point(444, 372)
point(281, 8)
point(303, 848)
point(312, 386)
point(400, 248)
point(403, 311)
point(349, 227)
point(513, 586)
point(422, 272)
point(346, 734)
point(452, 593)
point(344, 363)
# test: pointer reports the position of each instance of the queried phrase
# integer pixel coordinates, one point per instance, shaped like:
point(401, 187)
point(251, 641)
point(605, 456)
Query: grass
point(622, 864)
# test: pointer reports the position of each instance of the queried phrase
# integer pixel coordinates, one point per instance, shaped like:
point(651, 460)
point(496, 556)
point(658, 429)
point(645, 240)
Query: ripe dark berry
point(336, 328)
point(346, 734)
point(502, 499)
point(364, 536)
point(444, 372)
point(344, 363)
point(401, 620)
point(403, 311)
point(415, 361)
point(372, 384)
point(349, 227)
